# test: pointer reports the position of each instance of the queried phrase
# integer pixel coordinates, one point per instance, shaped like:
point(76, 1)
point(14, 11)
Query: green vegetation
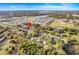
point(58, 38)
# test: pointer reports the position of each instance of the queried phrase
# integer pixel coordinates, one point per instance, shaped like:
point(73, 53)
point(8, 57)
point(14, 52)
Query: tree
point(9, 49)
point(28, 47)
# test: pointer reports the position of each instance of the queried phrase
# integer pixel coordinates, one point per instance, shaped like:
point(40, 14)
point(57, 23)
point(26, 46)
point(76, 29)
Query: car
point(1, 38)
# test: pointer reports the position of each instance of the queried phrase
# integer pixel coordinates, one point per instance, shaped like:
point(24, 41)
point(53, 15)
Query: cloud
point(54, 7)
point(16, 6)
point(45, 6)
point(42, 7)
point(12, 7)
point(58, 7)
point(50, 6)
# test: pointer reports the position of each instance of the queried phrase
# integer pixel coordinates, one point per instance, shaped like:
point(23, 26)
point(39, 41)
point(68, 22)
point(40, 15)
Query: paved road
point(1, 35)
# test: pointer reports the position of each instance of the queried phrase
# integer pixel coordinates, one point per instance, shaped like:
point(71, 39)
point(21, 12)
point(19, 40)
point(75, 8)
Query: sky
point(39, 6)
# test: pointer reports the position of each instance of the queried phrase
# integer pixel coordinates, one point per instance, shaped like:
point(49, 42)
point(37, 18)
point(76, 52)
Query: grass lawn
point(56, 24)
